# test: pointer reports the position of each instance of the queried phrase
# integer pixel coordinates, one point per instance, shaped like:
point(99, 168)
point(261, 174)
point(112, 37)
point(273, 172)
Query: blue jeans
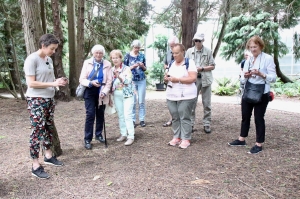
point(91, 98)
point(140, 88)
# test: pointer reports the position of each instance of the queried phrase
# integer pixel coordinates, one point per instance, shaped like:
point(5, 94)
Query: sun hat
point(199, 36)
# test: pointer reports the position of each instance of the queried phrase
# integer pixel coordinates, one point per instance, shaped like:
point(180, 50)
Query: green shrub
point(226, 86)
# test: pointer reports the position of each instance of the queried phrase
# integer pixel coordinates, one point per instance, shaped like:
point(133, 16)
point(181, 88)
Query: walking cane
point(104, 129)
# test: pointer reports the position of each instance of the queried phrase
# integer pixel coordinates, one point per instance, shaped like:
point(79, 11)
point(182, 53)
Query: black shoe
point(237, 143)
point(40, 173)
point(142, 123)
point(53, 161)
point(134, 125)
point(255, 149)
point(100, 139)
point(87, 145)
point(207, 129)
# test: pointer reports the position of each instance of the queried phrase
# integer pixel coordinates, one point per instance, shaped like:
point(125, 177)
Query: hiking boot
point(174, 141)
point(100, 139)
point(207, 129)
point(87, 145)
point(53, 161)
point(129, 142)
point(40, 173)
point(255, 149)
point(142, 123)
point(237, 143)
point(122, 138)
point(184, 144)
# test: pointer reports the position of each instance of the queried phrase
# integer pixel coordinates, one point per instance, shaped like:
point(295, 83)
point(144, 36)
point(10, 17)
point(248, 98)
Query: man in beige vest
point(205, 64)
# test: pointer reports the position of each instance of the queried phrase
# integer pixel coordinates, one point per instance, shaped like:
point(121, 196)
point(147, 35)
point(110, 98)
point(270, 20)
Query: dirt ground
point(150, 168)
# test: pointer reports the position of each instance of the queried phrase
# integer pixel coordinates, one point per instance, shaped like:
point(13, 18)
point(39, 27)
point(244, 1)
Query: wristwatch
point(264, 76)
point(202, 69)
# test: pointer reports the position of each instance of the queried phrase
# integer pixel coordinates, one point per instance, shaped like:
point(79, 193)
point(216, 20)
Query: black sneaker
point(40, 173)
point(237, 143)
point(142, 123)
point(87, 145)
point(100, 139)
point(134, 124)
point(255, 149)
point(53, 161)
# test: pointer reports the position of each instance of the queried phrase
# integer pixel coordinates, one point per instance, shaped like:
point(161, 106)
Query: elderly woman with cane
point(96, 75)
point(181, 96)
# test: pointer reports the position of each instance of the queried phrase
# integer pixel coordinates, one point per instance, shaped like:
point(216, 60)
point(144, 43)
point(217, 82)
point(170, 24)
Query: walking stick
point(104, 128)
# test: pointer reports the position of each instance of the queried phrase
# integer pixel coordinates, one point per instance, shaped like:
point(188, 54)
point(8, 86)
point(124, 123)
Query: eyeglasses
point(196, 40)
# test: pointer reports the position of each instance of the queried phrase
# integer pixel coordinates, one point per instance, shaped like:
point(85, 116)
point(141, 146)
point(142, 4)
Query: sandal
point(168, 123)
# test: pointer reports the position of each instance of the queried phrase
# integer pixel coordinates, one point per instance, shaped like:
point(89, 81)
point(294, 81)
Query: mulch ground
point(150, 168)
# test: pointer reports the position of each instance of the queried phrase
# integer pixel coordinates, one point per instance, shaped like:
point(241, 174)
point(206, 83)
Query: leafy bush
point(288, 89)
point(226, 86)
point(157, 72)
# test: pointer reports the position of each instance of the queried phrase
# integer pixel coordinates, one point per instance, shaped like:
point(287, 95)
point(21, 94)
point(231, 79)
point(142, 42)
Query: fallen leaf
point(110, 183)
point(96, 177)
point(200, 181)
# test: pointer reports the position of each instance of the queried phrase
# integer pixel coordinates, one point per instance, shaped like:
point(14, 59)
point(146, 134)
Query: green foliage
point(160, 44)
point(287, 89)
point(115, 24)
point(241, 28)
point(157, 71)
point(225, 86)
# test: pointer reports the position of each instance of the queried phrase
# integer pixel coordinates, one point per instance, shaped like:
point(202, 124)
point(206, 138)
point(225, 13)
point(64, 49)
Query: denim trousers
point(140, 93)
point(91, 98)
point(259, 114)
point(206, 102)
point(124, 106)
point(181, 112)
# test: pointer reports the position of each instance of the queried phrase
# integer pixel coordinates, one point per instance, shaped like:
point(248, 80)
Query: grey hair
point(135, 43)
point(172, 40)
point(98, 48)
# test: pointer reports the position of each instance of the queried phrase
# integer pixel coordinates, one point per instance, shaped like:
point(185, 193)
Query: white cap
point(199, 36)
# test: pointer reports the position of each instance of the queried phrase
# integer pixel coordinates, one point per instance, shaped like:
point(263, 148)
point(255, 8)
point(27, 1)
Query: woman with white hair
point(96, 75)
point(137, 63)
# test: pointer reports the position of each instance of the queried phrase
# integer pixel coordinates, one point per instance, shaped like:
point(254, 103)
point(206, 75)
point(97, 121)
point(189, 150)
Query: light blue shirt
point(265, 64)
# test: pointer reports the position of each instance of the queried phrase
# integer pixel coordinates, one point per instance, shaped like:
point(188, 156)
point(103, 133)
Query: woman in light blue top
point(258, 69)
point(122, 90)
point(137, 63)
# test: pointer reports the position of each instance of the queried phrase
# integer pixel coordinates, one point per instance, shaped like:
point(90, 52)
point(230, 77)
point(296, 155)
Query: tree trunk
point(73, 78)
point(31, 24)
point(63, 93)
point(43, 16)
point(32, 32)
point(282, 77)
point(224, 24)
point(80, 38)
point(189, 21)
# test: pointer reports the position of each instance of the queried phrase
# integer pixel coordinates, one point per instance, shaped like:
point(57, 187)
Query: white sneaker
point(129, 142)
point(122, 138)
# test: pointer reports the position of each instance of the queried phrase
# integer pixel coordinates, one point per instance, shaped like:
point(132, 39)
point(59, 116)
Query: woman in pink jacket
point(96, 75)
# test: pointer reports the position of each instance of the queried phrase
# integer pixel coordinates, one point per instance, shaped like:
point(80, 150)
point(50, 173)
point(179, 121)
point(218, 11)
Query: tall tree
point(63, 92)
point(72, 46)
point(189, 21)
point(80, 51)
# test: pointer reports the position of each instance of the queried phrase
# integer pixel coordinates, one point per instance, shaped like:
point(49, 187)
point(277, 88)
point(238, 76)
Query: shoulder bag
point(80, 88)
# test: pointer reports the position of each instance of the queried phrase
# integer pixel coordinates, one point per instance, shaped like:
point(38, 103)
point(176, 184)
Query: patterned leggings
point(41, 112)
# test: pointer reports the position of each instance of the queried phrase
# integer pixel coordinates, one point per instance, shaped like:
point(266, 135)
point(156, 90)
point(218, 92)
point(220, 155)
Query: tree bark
point(63, 93)
point(72, 47)
point(43, 16)
point(189, 21)
point(80, 37)
point(31, 24)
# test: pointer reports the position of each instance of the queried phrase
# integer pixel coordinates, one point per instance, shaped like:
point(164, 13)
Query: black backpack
point(186, 63)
